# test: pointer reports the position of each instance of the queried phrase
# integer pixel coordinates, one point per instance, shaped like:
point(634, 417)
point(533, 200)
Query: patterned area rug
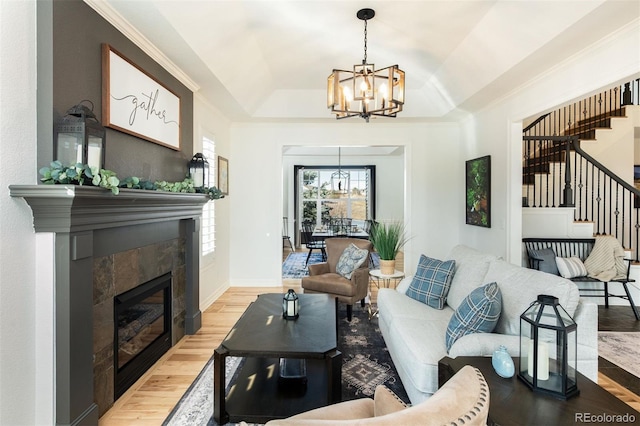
point(294, 265)
point(622, 349)
point(366, 364)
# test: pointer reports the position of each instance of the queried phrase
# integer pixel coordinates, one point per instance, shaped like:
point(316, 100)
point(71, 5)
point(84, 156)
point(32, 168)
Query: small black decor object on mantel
point(199, 172)
point(290, 305)
point(548, 349)
point(80, 138)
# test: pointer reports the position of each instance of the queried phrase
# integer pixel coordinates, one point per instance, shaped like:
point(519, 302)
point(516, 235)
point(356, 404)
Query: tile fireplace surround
point(140, 233)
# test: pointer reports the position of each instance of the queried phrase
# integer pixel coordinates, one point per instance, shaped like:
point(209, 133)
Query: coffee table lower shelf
point(257, 397)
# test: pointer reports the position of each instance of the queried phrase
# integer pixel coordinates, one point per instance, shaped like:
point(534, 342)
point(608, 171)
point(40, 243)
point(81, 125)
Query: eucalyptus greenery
point(387, 238)
point(82, 174)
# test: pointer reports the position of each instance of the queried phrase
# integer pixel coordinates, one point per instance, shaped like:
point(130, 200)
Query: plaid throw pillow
point(478, 313)
point(431, 282)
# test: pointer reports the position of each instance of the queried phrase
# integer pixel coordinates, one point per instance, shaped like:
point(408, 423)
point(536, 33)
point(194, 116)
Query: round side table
point(382, 281)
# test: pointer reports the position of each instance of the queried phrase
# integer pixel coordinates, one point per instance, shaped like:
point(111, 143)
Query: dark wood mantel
point(89, 222)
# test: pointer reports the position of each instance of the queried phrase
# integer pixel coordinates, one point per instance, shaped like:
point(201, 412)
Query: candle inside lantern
point(543, 360)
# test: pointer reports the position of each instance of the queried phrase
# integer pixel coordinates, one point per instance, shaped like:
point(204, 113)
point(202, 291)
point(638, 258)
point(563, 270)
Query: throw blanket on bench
point(606, 261)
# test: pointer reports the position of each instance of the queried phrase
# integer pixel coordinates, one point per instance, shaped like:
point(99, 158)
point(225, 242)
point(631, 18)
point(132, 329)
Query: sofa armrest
point(483, 344)
point(586, 316)
point(319, 268)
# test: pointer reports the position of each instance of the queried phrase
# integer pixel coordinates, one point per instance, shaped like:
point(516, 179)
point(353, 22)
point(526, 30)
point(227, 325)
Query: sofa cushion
point(571, 267)
point(478, 313)
point(546, 258)
point(471, 268)
point(431, 281)
point(521, 286)
point(351, 259)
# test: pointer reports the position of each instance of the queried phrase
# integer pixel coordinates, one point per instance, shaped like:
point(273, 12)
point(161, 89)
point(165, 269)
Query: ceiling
point(270, 59)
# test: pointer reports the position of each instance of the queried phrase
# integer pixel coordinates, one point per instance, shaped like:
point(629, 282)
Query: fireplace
point(116, 242)
point(142, 330)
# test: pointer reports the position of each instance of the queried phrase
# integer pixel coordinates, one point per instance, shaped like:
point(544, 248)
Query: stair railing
point(558, 173)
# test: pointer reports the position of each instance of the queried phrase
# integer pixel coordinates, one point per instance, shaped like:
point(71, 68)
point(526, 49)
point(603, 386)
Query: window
point(326, 192)
point(208, 211)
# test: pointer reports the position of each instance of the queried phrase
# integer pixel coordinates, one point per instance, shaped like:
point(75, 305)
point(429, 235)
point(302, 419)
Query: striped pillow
point(571, 267)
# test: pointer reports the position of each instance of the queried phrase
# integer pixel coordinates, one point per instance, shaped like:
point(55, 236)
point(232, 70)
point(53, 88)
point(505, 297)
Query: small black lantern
point(290, 305)
point(80, 138)
point(199, 171)
point(548, 349)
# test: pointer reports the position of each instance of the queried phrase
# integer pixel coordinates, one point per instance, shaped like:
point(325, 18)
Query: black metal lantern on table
point(199, 171)
point(548, 349)
point(290, 305)
point(80, 138)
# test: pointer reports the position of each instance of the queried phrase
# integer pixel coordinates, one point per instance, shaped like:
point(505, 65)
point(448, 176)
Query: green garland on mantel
point(83, 174)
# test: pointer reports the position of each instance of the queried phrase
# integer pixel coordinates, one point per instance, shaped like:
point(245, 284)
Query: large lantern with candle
point(548, 349)
point(290, 305)
point(80, 138)
point(199, 172)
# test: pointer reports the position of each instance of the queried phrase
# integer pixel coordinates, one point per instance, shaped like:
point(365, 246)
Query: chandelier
point(366, 91)
point(337, 186)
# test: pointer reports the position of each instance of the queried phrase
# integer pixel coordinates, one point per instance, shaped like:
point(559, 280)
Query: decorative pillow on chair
point(351, 259)
point(571, 267)
point(431, 282)
point(546, 260)
point(478, 313)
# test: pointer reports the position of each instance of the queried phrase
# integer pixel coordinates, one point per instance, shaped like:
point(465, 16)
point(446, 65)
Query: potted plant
point(388, 238)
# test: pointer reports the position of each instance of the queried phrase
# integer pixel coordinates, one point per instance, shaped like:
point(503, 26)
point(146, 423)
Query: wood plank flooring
point(150, 400)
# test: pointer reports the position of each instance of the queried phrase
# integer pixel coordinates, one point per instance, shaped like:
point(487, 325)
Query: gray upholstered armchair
point(323, 277)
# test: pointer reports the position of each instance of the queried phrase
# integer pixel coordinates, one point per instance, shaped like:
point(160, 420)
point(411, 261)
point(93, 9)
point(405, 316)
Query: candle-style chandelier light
point(366, 91)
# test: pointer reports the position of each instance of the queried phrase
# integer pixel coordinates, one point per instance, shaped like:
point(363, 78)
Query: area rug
point(621, 348)
point(294, 265)
point(366, 364)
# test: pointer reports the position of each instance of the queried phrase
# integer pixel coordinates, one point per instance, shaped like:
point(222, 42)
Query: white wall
point(214, 267)
point(25, 346)
point(432, 172)
point(497, 129)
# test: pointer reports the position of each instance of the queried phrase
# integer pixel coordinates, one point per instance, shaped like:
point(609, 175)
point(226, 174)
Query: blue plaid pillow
point(478, 313)
point(431, 282)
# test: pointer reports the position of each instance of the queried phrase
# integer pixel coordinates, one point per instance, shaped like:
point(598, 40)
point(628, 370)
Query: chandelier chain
point(364, 61)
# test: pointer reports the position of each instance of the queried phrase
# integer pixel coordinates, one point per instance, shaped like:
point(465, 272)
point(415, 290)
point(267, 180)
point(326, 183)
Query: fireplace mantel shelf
point(73, 208)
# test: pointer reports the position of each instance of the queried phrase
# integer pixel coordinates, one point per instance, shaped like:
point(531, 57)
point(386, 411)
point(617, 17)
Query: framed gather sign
point(136, 103)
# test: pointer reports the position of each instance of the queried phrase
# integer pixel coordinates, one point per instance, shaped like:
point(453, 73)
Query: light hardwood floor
point(150, 400)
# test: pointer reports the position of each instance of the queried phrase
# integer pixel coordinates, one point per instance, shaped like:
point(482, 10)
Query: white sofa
point(415, 333)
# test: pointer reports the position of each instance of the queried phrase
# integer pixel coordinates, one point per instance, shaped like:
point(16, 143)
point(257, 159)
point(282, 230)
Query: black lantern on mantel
point(548, 349)
point(290, 305)
point(199, 171)
point(80, 138)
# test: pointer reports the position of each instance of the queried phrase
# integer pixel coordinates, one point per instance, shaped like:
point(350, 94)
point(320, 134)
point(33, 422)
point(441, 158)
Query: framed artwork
point(223, 175)
point(478, 191)
point(134, 102)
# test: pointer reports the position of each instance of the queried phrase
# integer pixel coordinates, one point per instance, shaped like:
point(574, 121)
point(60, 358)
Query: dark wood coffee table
point(513, 403)
point(262, 337)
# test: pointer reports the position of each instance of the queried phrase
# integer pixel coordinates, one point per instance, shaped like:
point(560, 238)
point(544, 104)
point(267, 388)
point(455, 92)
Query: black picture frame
point(478, 191)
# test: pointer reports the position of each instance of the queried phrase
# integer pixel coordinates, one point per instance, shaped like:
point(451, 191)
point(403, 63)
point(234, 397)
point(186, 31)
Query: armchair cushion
point(431, 281)
point(351, 259)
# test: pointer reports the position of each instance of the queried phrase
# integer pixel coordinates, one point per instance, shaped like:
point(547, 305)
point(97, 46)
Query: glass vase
point(502, 362)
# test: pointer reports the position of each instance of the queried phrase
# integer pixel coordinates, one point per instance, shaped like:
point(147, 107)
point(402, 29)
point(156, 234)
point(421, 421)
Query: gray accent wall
point(78, 34)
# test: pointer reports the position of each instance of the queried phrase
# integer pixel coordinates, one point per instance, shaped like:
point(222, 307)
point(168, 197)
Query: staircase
point(578, 169)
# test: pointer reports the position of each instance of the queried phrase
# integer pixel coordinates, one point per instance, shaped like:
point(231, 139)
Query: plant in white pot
point(388, 238)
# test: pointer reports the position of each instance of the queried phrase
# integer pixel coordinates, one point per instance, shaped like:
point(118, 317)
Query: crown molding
point(112, 16)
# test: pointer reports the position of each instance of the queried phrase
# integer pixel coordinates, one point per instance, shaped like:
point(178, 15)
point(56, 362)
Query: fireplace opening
point(142, 330)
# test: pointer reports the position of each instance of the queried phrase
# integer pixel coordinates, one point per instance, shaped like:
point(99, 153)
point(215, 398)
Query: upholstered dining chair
point(324, 278)
point(463, 400)
point(311, 242)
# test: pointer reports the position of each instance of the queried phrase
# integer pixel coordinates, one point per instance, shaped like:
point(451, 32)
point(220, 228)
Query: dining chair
point(311, 242)
point(285, 232)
